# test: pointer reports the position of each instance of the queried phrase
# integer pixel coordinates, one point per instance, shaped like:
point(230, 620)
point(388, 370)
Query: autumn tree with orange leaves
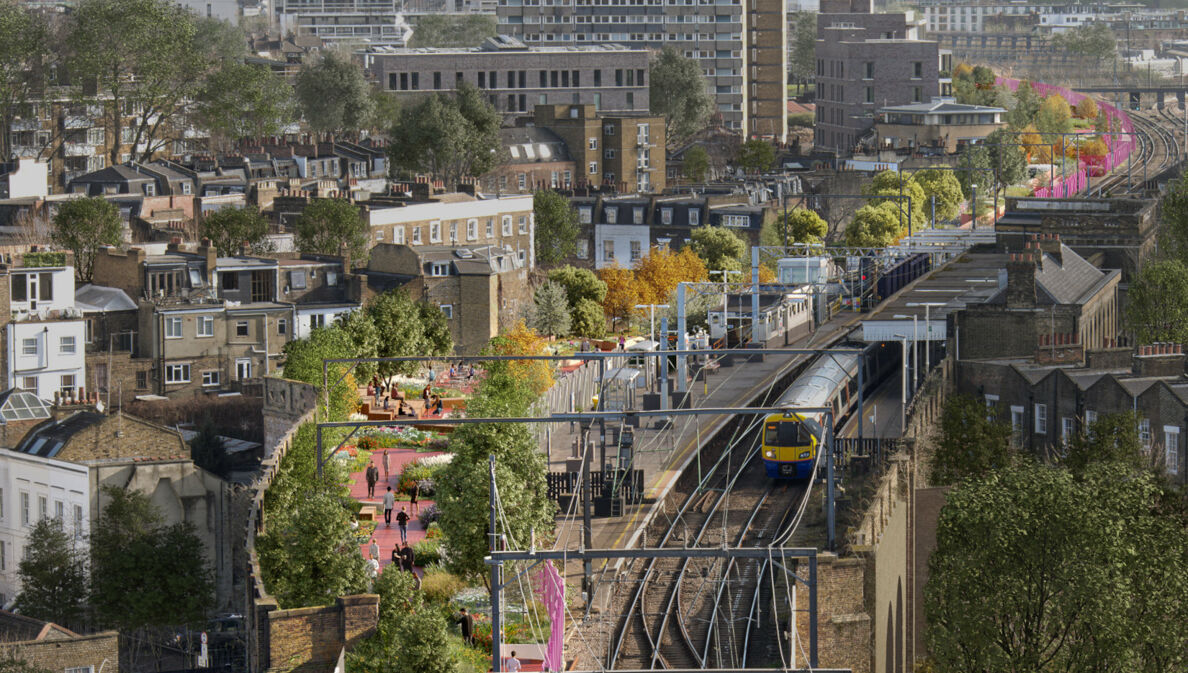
point(622, 292)
point(659, 272)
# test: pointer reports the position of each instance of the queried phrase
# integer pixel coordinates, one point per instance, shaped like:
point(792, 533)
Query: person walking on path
point(467, 623)
point(373, 549)
point(385, 464)
point(389, 505)
point(372, 475)
point(412, 498)
point(513, 664)
point(401, 521)
point(407, 558)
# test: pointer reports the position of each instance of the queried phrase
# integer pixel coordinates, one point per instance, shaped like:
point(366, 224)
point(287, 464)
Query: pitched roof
point(1067, 281)
point(19, 628)
point(117, 173)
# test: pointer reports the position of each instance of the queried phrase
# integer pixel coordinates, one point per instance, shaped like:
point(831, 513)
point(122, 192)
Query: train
point(790, 440)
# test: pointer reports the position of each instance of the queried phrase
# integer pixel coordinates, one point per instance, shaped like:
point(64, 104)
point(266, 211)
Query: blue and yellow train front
point(789, 446)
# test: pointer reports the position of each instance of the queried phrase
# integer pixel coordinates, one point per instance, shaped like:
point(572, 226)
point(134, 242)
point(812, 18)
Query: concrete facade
point(741, 46)
point(866, 61)
point(943, 124)
point(515, 77)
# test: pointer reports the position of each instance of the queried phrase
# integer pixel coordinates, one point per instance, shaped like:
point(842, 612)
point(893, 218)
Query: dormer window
point(150, 189)
point(439, 269)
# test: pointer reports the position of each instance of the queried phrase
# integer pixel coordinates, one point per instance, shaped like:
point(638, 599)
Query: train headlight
point(805, 454)
point(769, 453)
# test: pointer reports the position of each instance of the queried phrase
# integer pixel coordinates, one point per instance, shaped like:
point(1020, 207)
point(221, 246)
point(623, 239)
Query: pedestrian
point(387, 399)
point(372, 477)
point(401, 521)
point(435, 406)
point(467, 623)
point(385, 463)
point(389, 505)
point(513, 664)
point(373, 549)
point(622, 343)
point(370, 390)
point(412, 498)
point(427, 392)
point(453, 372)
point(432, 375)
point(407, 558)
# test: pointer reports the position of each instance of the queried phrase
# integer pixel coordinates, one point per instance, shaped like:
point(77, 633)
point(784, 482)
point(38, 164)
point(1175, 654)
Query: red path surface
point(389, 537)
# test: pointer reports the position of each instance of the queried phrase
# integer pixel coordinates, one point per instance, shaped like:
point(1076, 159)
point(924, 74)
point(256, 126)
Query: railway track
point(1157, 151)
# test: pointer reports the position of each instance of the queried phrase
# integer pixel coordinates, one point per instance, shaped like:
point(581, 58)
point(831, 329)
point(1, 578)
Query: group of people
point(402, 557)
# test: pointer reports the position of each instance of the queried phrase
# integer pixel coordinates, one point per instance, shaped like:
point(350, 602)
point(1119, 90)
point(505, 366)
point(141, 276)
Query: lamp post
point(725, 273)
point(902, 385)
point(915, 351)
point(652, 317)
point(927, 328)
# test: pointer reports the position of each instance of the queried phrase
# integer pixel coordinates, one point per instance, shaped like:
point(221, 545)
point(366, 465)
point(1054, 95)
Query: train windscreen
point(786, 433)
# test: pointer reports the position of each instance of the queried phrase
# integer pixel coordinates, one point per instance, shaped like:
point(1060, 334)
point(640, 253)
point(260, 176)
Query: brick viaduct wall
point(65, 653)
point(299, 639)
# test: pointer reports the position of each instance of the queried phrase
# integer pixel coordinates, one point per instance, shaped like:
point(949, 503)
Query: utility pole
point(496, 574)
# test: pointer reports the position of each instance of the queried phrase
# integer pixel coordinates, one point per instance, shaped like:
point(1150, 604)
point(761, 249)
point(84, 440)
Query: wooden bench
point(367, 513)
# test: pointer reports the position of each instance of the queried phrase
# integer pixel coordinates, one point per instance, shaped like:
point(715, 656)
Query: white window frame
point(1068, 428)
point(25, 346)
point(204, 326)
point(398, 235)
point(506, 225)
point(177, 373)
point(1018, 417)
point(212, 377)
point(42, 507)
point(592, 144)
point(593, 168)
point(1090, 418)
point(1144, 433)
point(694, 217)
point(439, 269)
point(448, 310)
point(435, 232)
point(67, 345)
point(1171, 449)
point(282, 326)
point(416, 237)
point(173, 327)
point(26, 508)
point(1041, 418)
point(242, 366)
point(522, 223)
point(490, 228)
point(472, 229)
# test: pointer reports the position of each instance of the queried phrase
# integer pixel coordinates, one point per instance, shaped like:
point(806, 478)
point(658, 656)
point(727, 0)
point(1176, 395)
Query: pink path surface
point(389, 537)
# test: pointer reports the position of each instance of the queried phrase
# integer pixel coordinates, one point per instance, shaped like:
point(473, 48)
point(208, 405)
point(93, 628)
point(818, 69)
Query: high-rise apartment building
point(867, 61)
point(740, 44)
point(371, 22)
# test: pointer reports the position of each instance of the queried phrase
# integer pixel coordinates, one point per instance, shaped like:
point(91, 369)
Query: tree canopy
point(677, 91)
point(1157, 303)
point(875, 226)
point(556, 227)
point(802, 226)
point(1173, 234)
point(228, 228)
point(53, 576)
point(622, 293)
point(1040, 570)
point(449, 136)
point(658, 273)
point(245, 100)
point(944, 187)
point(25, 53)
point(696, 164)
point(550, 310)
point(333, 94)
point(327, 225)
point(756, 156)
point(970, 442)
point(802, 62)
point(1093, 40)
point(82, 226)
point(445, 30)
point(405, 330)
point(720, 248)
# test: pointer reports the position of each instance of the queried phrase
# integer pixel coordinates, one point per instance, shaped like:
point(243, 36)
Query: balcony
point(26, 125)
point(78, 149)
point(77, 122)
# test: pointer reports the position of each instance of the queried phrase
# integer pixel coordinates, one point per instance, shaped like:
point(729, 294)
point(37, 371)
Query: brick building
point(482, 289)
point(1044, 292)
point(60, 467)
point(536, 158)
point(866, 61)
point(516, 77)
point(49, 646)
point(740, 46)
point(458, 219)
point(1117, 233)
point(623, 152)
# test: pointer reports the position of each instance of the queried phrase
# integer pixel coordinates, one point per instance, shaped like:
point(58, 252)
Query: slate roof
point(1071, 279)
point(117, 173)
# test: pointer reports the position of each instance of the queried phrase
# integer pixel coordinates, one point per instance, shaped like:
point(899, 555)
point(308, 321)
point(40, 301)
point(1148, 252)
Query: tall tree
point(450, 136)
point(326, 225)
point(1054, 116)
point(53, 576)
point(894, 185)
point(444, 30)
point(875, 226)
point(1026, 104)
point(622, 293)
point(659, 272)
point(304, 358)
point(696, 164)
point(1173, 234)
point(802, 62)
point(228, 228)
point(333, 95)
point(25, 54)
point(970, 442)
point(557, 227)
point(436, 328)
point(244, 100)
point(720, 248)
point(579, 284)
point(1039, 570)
point(550, 310)
point(1157, 303)
point(82, 226)
point(678, 93)
point(942, 188)
point(756, 156)
point(147, 56)
point(174, 587)
point(404, 330)
point(1094, 41)
point(801, 226)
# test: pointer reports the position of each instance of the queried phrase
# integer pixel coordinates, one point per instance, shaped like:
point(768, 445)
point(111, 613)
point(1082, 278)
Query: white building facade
point(46, 338)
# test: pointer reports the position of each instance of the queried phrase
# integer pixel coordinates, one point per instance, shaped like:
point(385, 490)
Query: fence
point(1119, 148)
point(564, 485)
point(572, 389)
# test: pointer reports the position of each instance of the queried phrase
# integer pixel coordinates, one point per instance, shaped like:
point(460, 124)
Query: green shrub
point(440, 586)
point(804, 119)
point(427, 551)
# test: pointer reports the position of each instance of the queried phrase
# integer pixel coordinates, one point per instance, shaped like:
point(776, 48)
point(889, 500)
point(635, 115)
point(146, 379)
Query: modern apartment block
point(374, 22)
point(866, 61)
point(624, 152)
point(516, 77)
point(741, 46)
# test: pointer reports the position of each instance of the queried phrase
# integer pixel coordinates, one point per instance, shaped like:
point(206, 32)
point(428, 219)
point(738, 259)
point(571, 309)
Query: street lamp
point(915, 351)
point(652, 314)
